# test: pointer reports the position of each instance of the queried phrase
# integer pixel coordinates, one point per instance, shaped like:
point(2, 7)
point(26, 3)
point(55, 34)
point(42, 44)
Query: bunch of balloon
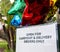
point(17, 10)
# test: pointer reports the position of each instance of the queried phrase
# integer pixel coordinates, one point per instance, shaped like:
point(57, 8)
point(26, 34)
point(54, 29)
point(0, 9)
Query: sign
point(38, 38)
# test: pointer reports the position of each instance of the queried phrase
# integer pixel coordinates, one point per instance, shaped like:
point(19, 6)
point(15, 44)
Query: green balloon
point(17, 7)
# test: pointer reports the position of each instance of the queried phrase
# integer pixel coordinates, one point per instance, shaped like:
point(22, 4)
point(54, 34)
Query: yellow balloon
point(52, 2)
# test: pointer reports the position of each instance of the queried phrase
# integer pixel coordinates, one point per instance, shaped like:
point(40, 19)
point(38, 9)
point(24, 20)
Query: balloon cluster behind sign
point(29, 12)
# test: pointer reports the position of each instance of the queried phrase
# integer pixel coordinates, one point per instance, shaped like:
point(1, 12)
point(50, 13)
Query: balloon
point(35, 11)
point(16, 21)
point(17, 6)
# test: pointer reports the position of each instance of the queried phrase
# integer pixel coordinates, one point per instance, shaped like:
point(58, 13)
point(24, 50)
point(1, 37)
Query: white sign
point(38, 38)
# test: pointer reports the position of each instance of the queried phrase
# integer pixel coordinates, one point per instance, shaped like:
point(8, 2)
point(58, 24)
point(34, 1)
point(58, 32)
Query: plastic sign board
point(38, 38)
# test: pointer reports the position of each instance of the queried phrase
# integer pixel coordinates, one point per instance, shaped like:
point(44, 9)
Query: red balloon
point(35, 11)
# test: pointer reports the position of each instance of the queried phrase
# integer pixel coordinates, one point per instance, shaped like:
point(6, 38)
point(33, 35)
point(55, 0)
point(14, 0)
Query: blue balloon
point(16, 21)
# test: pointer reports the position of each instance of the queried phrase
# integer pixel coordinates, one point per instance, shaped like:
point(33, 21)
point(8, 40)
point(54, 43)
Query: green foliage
point(3, 44)
point(5, 6)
